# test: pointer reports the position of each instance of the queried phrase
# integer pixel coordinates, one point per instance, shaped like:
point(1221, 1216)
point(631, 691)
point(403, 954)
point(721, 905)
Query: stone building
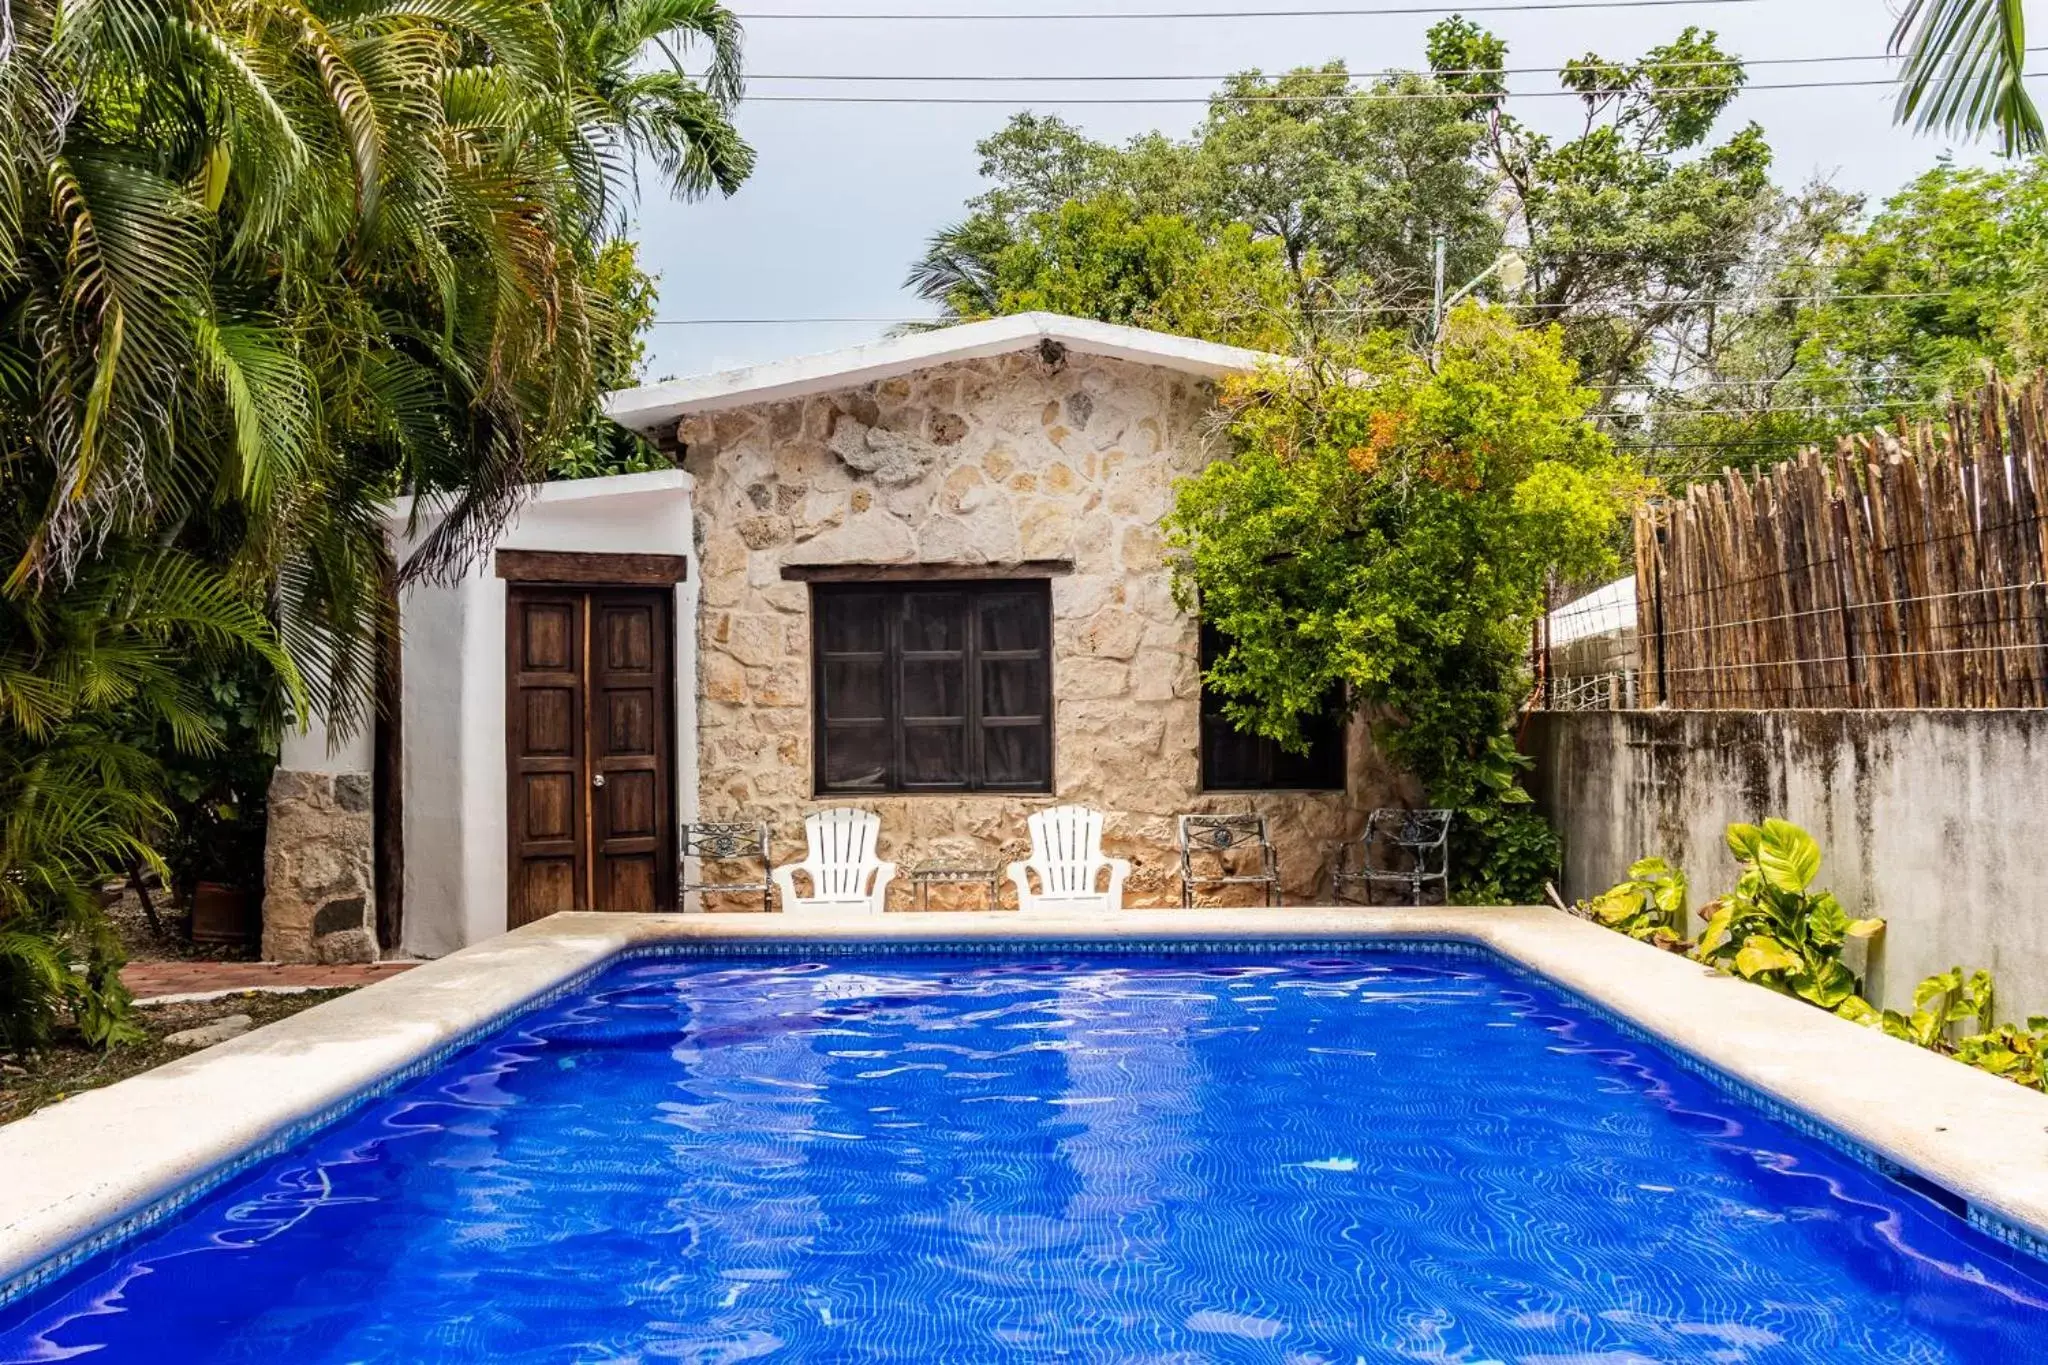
point(924, 576)
point(941, 479)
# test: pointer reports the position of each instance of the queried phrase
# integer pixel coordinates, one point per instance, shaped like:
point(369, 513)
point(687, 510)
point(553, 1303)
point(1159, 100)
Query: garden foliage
point(263, 270)
point(1386, 526)
point(1774, 930)
point(1649, 905)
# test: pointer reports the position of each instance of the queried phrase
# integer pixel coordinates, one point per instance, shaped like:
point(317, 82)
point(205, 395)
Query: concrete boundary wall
point(1936, 820)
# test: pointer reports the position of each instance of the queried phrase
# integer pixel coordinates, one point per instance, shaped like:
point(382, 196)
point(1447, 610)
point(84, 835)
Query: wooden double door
point(588, 739)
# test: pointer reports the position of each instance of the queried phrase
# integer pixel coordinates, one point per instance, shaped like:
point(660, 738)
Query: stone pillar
point(319, 868)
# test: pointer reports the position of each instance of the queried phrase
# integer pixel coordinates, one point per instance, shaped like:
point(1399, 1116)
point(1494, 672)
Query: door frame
point(591, 574)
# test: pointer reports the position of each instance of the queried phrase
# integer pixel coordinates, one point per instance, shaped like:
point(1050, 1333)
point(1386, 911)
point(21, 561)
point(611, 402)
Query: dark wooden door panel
point(588, 738)
point(631, 750)
point(544, 743)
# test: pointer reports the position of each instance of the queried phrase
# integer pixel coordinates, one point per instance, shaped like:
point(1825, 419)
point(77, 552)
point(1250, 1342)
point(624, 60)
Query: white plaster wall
point(312, 750)
point(454, 696)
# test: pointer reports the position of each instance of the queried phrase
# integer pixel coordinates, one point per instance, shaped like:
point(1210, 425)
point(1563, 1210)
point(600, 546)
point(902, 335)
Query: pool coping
point(100, 1166)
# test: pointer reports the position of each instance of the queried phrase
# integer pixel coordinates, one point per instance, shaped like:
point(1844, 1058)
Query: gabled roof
point(655, 407)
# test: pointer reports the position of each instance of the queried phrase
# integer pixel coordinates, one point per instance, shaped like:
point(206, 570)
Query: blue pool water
point(1055, 1156)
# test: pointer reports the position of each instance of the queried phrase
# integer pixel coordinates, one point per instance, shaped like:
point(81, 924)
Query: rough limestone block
point(206, 1035)
point(319, 901)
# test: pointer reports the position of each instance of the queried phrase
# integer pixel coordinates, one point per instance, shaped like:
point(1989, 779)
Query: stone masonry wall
point(988, 461)
point(319, 904)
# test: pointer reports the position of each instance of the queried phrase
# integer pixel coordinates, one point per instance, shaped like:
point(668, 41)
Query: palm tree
point(682, 123)
point(83, 670)
point(1965, 70)
point(264, 265)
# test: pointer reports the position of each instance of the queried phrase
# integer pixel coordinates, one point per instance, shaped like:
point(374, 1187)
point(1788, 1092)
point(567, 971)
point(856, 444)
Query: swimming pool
point(1328, 1155)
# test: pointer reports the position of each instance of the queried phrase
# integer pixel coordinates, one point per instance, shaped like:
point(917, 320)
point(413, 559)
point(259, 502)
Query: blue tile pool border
point(2020, 1240)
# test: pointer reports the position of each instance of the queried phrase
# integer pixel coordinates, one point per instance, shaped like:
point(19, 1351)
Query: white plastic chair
point(840, 861)
point(1066, 856)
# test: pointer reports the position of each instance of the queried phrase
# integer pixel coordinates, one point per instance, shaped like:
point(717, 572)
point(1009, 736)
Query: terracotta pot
point(223, 915)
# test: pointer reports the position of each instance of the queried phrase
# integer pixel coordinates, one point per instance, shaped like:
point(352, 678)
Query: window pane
point(934, 687)
point(934, 621)
point(857, 756)
point(1322, 767)
point(1013, 687)
point(850, 623)
point(935, 754)
point(853, 689)
point(1231, 761)
point(1239, 762)
point(1012, 620)
point(1014, 756)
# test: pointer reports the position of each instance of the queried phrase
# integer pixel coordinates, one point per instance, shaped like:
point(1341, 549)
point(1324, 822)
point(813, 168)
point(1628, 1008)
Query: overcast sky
point(845, 194)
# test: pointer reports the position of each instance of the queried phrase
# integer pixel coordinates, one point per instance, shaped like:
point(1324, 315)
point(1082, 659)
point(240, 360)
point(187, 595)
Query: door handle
point(597, 781)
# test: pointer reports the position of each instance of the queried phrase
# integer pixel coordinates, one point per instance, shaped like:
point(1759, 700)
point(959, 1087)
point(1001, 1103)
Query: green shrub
point(1940, 1003)
point(2018, 1053)
point(1649, 905)
point(1772, 930)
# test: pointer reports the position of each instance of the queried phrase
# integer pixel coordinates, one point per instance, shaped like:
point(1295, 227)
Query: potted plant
point(218, 801)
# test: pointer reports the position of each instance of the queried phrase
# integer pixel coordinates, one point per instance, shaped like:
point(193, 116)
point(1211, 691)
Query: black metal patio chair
point(1241, 852)
point(1404, 849)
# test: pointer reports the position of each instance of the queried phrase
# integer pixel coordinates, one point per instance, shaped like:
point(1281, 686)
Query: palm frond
point(1965, 72)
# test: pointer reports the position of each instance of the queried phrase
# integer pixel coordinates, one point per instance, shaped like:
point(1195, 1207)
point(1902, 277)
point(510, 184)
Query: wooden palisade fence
point(1903, 570)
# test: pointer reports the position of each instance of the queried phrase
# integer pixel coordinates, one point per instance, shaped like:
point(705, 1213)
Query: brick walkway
point(148, 980)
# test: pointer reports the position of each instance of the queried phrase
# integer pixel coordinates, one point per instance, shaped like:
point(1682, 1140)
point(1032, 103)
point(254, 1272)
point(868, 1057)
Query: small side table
point(925, 875)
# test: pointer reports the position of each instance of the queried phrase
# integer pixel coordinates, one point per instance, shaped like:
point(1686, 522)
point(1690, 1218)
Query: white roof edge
point(398, 512)
point(654, 406)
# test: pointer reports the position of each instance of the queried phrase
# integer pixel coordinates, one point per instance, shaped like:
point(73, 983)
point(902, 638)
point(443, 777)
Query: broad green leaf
point(1716, 932)
point(1863, 928)
point(1743, 841)
point(1938, 985)
point(1832, 983)
point(1615, 904)
point(1787, 856)
point(1760, 954)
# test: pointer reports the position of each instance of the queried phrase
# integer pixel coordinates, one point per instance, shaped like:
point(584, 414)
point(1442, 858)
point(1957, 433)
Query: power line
point(754, 16)
point(1732, 301)
point(1802, 410)
point(1802, 380)
point(1634, 448)
point(1381, 74)
point(1370, 96)
point(1591, 305)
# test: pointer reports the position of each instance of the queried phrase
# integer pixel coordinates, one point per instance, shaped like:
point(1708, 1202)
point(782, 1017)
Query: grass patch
point(28, 1081)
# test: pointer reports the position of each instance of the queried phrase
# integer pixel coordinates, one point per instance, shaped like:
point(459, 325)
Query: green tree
point(125, 647)
point(1731, 387)
point(1634, 228)
point(1947, 280)
point(1880, 320)
point(601, 446)
point(1356, 184)
point(262, 269)
point(1359, 182)
point(1388, 527)
point(1096, 258)
point(1352, 185)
